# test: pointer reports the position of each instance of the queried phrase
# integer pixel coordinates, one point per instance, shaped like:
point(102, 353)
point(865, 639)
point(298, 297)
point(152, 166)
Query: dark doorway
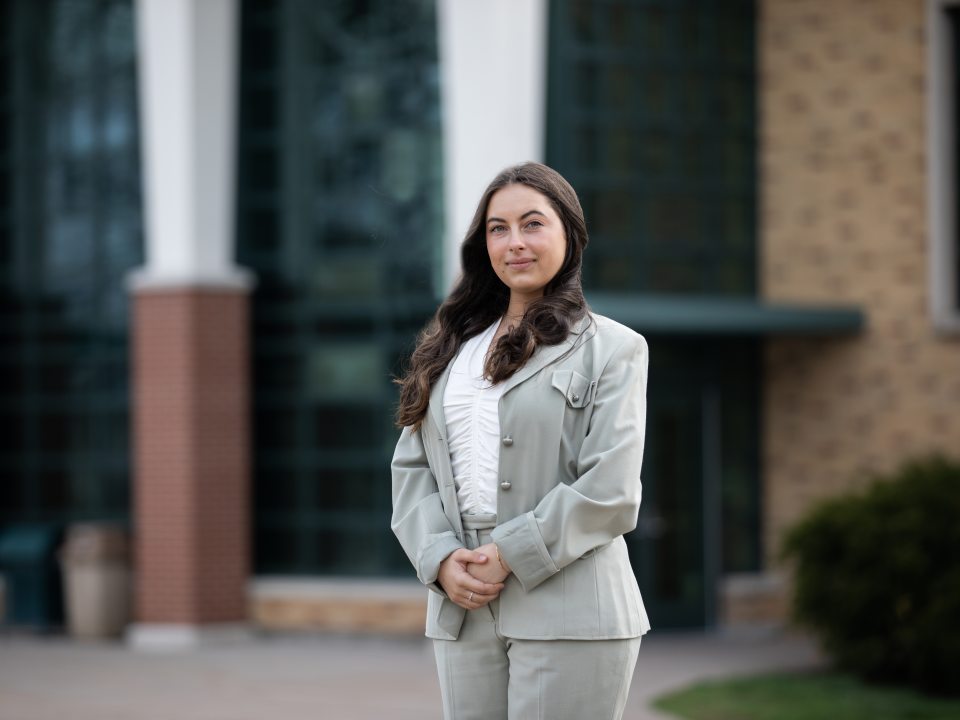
point(700, 512)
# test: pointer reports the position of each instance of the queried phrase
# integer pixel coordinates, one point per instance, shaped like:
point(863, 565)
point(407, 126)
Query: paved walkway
point(315, 677)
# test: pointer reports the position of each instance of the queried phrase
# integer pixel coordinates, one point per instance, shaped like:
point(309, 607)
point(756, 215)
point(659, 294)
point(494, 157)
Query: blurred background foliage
point(878, 577)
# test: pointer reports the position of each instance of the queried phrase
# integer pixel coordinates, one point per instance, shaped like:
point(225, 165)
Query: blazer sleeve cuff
point(522, 546)
point(430, 557)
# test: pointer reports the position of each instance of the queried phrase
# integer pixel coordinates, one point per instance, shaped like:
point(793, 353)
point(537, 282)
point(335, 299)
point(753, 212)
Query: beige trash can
point(96, 580)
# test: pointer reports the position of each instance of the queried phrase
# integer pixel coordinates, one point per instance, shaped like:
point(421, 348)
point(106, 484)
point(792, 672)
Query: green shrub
point(878, 577)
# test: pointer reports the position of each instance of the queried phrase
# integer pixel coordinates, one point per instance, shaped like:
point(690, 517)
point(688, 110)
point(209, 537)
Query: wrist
point(503, 565)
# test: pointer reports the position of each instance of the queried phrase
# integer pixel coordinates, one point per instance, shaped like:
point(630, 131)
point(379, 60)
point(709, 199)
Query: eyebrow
point(527, 214)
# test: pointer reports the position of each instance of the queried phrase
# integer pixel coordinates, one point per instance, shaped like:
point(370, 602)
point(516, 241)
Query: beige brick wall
point(843, 220)
point(753, 601)
point(338, 604)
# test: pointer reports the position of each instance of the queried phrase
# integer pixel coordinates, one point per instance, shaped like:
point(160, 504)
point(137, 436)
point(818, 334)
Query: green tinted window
point(70, 230)
point(340, 217)
point(651, 117)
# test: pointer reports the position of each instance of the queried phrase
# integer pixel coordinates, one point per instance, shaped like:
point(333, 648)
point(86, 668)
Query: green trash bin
point(28, 561)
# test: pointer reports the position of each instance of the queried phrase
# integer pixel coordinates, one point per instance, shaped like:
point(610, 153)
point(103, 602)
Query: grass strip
point(804, 696)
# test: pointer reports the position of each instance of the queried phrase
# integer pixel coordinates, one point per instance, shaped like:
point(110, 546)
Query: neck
point(518, 306)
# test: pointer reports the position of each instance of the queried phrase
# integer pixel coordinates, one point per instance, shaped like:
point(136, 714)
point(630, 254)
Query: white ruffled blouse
point(471, 407)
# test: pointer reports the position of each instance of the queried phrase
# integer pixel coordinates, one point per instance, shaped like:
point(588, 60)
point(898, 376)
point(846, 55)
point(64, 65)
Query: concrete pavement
point(317, 677)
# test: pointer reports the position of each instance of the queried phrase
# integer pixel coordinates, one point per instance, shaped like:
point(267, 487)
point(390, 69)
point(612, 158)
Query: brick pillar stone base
point(191, 391)
point(754, 603)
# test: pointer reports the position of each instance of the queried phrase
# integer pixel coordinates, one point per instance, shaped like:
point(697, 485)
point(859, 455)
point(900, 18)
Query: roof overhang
point(717, 315)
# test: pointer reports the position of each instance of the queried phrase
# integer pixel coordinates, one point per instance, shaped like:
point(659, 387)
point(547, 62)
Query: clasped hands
point(472, 578)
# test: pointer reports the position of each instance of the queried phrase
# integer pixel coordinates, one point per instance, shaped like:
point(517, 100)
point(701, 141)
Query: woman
point(517, 471)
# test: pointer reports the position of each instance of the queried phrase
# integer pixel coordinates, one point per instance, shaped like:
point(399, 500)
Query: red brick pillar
point(191, 400)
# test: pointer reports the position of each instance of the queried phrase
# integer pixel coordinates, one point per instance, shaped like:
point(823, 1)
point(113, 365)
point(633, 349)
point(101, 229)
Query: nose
point(516, 241)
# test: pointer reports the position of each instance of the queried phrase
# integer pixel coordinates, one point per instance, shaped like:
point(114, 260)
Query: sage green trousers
point(487, 676)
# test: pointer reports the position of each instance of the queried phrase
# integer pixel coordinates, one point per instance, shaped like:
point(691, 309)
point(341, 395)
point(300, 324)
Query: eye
point(497, 228)
point(534, 224)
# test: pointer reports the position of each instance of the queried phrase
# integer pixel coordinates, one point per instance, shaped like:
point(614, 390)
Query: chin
point(529, 289)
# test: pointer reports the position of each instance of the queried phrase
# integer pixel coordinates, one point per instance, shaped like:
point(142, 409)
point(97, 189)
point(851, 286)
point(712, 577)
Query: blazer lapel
point(545, 355)
point(541, 358)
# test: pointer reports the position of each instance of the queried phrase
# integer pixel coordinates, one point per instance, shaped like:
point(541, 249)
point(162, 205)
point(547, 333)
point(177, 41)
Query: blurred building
point(222, 224)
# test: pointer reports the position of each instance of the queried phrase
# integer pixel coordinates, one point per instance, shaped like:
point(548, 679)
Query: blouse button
point(506, 485)
point(508, 441)
point(574, 397)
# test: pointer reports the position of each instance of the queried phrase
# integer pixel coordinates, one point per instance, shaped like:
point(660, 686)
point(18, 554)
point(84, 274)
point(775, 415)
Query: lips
point(521, 263)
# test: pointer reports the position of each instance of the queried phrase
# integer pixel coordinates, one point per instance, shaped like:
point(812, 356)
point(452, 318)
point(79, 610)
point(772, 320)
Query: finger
point(473, 595)
point(472, 601)
point(483, 600)
point(465, 556)
point(464, 601)
point(469, 583)
point(463, 594)
point(475, 570)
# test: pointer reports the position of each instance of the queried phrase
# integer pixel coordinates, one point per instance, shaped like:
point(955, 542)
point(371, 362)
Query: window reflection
point(69, 154)
point(670, 116)
point(339, 215)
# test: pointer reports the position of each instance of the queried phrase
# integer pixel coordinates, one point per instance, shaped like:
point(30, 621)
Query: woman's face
point(525, 240)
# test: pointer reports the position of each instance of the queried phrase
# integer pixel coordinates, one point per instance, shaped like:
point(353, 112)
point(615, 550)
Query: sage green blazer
point(572, 423)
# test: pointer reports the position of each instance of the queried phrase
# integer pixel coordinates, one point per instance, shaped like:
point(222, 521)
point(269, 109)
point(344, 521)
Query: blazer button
point(506, 485)
point(508, 441)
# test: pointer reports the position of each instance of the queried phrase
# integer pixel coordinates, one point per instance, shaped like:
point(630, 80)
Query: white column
point(187, 66)
point(493, 72)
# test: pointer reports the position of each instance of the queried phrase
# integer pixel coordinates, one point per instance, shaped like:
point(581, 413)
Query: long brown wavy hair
point(479, 298)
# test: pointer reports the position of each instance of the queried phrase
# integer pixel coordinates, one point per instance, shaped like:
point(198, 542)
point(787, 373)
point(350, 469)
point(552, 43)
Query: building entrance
point(698, 518)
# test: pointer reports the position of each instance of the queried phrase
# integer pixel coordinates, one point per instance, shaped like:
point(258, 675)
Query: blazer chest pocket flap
point(576, 389)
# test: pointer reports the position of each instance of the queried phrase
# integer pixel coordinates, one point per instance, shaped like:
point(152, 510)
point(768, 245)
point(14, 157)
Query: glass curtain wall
point(651, 115)
point(70, 230)
point(340, 217)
